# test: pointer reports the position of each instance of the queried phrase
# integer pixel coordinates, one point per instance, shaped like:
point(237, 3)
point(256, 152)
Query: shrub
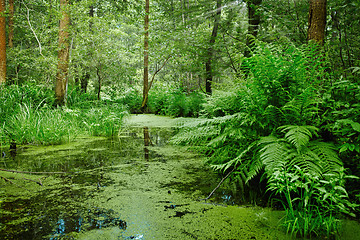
point(175, 102)
point(131, 98)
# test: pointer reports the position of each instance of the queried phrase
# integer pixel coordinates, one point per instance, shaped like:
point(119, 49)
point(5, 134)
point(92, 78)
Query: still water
point(135, 186)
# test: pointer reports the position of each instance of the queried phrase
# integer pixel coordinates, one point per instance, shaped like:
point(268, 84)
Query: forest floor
point(136, 186)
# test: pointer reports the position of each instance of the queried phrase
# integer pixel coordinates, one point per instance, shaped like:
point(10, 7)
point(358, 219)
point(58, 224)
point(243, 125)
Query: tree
point(11, 24)
point(63, 53)
point(2, 43)
point(146, 55)
point(210, 51)
point(253, 24)
point(317, 21)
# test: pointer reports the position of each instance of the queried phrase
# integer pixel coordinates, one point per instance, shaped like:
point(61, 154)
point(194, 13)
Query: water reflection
point(147, 141)
point(94, 196)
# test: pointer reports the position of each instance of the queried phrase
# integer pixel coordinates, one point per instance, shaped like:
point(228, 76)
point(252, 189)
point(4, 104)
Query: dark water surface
point(136, 186)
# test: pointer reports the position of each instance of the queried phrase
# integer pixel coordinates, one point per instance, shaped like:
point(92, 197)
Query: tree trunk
point(98, 69)
point(91, 15)
point(210, 52)
point(146, 55)
point(11, 24)
point(63, 54)
point(317, 21)
point(2, 43)
point(84, 82)
point(253, 25)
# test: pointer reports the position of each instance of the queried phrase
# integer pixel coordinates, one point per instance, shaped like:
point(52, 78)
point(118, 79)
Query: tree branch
point(152, 80)
point(228, 53)
point(28, 19)
point(222, 180)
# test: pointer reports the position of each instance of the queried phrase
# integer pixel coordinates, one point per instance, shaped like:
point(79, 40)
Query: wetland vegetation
point(183, 119)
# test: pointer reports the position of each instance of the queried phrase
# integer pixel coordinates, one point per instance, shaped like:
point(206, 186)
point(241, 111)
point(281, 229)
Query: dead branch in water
point(222, 180)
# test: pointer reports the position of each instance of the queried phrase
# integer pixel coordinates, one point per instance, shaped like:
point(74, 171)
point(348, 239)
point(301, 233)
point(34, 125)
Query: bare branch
point(222, 180)
point(152, 80)
point(28, 19)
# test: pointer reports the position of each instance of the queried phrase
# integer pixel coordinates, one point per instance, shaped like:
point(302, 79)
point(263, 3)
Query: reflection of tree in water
point(61, 208)
point(147, 142)
point(94, 218)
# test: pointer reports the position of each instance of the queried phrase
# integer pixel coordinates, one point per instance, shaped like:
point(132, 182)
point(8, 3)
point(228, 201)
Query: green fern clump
point(308, 176)
point(271, 124)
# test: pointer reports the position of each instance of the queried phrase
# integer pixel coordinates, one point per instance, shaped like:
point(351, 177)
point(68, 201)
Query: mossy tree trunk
point(63, 53)
point(317, 21)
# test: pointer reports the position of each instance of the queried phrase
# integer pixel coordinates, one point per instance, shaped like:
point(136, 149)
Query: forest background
point(274, 84)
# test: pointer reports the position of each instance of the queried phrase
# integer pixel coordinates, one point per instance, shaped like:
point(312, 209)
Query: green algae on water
point(128, 187)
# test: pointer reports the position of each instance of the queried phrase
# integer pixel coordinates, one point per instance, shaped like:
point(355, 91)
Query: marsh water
point(135, 186)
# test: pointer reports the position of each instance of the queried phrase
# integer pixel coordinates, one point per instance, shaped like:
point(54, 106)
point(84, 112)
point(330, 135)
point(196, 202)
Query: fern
point(298, 136)
point(297, 149)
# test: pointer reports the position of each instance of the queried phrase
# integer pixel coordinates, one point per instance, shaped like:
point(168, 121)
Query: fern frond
point(298, 136)
point(307, 161)
point(328, 157)
point(275, 154)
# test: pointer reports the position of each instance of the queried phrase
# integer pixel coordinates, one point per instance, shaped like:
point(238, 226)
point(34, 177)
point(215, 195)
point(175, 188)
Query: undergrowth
point(28, 116)
point(285, 122)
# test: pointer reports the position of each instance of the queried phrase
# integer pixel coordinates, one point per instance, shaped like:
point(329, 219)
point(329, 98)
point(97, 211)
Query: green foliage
point(29, 94)
point(313, 203)
point(274, 94)
point(272, 123)
point(77, 99)
point(309, 176)
point(39, 126)
point(175, 102)
point(132, 98)
point(28, 116)
point(103, 121)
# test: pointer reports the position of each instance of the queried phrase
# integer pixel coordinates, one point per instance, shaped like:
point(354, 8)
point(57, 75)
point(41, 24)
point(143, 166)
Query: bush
point(175, 102)
point(131, 98)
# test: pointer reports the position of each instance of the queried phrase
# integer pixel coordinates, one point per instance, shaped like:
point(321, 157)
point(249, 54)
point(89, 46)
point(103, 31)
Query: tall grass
point(103, 121)
point(40, 126)
point(28, 116)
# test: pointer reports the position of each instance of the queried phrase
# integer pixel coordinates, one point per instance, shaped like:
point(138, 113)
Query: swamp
point(180, 119)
